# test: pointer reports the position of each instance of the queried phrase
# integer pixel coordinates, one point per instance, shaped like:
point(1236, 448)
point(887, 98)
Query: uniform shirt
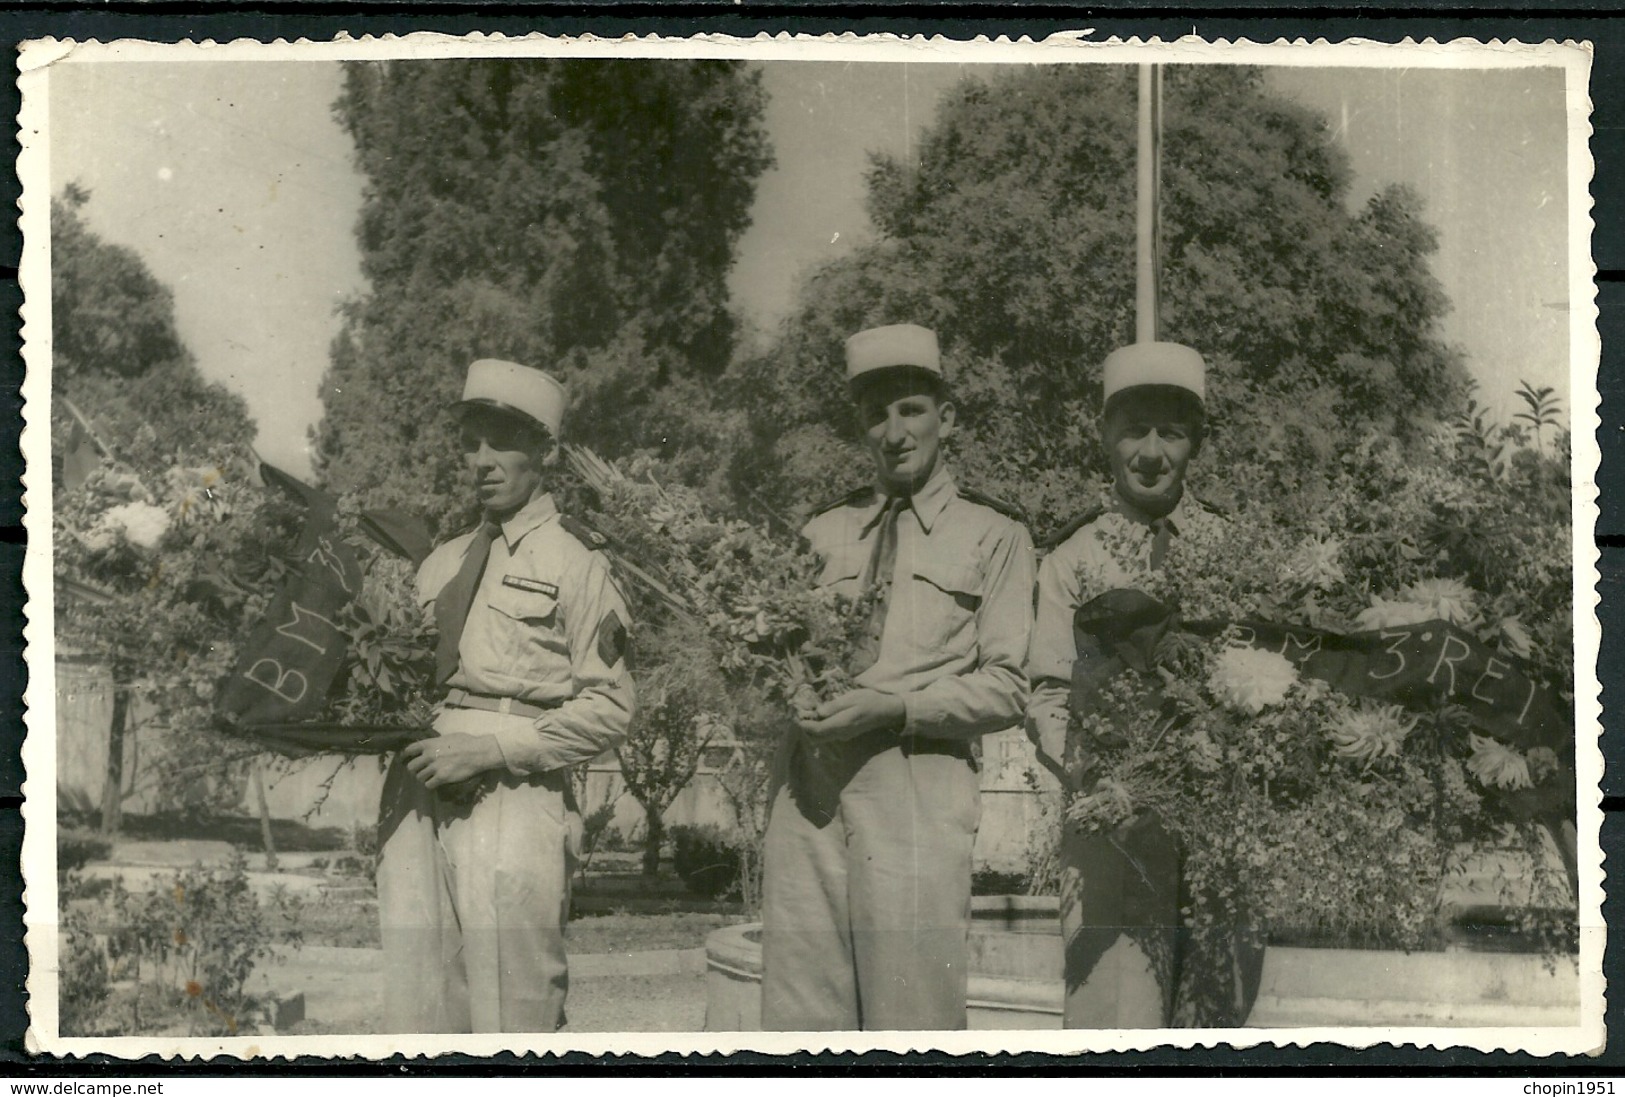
point(960, 607)
point(547, 625)
point(1113, 551)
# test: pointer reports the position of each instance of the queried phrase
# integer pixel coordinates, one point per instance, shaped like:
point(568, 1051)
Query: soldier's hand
point(446, 759)
point(852, 714)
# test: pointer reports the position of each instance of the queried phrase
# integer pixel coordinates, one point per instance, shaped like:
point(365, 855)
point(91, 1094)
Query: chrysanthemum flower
point(1449, 599)
point(1249, 680)
point(1315, 563)
point(1497, 766)
point(1367, 734)
point(142, 524)
point(1515, 638)
point(1383, 613)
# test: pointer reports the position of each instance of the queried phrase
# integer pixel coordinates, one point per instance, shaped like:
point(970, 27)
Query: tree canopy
point(578, 215)
point(116, 353)
point(1013, 236)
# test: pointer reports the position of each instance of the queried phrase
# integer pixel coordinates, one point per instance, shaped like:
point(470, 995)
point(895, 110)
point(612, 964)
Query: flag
point(293, 654)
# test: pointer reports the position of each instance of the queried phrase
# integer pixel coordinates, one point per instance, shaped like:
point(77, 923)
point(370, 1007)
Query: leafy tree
point(1013, 236)
point(118, 357)
point(116, 353)
point(579, 215)
point(682, 699)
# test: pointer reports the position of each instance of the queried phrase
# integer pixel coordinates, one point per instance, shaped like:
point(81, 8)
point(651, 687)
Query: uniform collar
point(932, 498)
point(527, 518)
point(927, 504)
point(1178, 518)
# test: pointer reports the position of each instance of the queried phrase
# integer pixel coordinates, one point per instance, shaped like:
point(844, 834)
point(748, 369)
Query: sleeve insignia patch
point(611, 639)
point(535, 586)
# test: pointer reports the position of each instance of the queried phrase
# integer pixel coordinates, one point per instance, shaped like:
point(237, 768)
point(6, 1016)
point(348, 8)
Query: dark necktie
point(1162, 531)
point(877, 578)
point(452, 603)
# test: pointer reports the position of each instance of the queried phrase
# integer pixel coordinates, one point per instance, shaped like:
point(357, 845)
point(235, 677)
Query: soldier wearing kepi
point(866, 905)
point(473, 890)
point(1119, 892)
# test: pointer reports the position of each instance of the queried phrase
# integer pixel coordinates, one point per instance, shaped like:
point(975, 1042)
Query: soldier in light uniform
point(1119, 892)
point(476, 827)
point(866, 906)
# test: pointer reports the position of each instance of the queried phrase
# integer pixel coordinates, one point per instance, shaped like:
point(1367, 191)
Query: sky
point(236, 185)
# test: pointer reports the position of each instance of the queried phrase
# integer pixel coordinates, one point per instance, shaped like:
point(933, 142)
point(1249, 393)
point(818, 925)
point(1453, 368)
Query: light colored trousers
point(473, 898)
point(866, 887)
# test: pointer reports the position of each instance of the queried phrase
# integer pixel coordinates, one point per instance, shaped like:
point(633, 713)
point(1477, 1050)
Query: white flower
point(1450, 599)
point(142, 524)
point(1368, 734)
point(1496, 765)
point(1250, 680)
point(1515, 638)
point(1385, 614)
point(194, 492)
point(1205, 754)
point(99, 539)
point(1315, 563)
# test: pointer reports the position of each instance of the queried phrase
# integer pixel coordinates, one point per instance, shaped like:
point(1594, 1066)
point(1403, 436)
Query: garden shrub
point(77, 848)
point(197, 941)
point(707, 860)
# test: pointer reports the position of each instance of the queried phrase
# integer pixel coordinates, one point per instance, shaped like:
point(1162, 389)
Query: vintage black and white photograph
point(809, 544)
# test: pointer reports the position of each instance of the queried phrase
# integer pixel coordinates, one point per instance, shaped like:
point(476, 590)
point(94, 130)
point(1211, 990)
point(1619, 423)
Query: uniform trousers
point(473, 897)
point(866, 886)
point(1130, 960)
point(1120, 925)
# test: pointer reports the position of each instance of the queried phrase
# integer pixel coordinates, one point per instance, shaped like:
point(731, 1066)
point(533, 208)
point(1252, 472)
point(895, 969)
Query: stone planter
point(1015, 980)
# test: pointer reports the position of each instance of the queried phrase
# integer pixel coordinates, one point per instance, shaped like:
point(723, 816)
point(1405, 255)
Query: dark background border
point(1260, 21)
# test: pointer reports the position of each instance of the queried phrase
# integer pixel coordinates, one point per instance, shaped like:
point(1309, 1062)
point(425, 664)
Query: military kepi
point(1139, 364)
point(897, 346)
point(516, 389)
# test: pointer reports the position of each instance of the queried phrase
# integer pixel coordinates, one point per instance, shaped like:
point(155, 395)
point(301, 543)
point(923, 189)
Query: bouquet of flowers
point(1337, 812)
point(775, 629)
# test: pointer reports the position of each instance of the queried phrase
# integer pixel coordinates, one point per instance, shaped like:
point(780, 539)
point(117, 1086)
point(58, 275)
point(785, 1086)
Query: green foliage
point(190, 945)
point(681, 700)
point(116, 353)
point(734, 635)
point(1308, 811)
point(707, 860)
point(77, 848)
point(515, 209)
point(1013, 237)
point(83, 987)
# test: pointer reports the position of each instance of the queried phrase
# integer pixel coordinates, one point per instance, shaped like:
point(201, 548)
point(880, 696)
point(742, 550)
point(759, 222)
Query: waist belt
point(485, 702)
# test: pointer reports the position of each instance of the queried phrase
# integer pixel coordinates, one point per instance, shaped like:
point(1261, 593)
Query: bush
point(82, 982)
point(706, 859)
point(198, 939)
point(77, 848)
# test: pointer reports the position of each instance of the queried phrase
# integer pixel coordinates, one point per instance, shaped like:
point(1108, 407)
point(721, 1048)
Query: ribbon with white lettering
point(1419, 667)
point(293, 654)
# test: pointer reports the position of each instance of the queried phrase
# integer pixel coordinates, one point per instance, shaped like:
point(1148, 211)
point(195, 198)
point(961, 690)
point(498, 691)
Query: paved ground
point(659, 990)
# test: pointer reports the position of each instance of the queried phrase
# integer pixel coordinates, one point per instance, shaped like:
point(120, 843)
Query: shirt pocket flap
point(524, 605)
point(843, 564)
point(962, 581)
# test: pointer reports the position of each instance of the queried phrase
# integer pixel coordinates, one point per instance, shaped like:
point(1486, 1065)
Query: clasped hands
point(854, 713)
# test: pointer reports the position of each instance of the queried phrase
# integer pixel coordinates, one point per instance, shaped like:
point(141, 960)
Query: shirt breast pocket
point(945, 600)
point(528, 607)
point(842, 569)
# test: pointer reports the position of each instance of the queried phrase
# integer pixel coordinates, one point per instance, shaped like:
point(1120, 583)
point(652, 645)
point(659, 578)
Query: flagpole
point(1147, 200)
